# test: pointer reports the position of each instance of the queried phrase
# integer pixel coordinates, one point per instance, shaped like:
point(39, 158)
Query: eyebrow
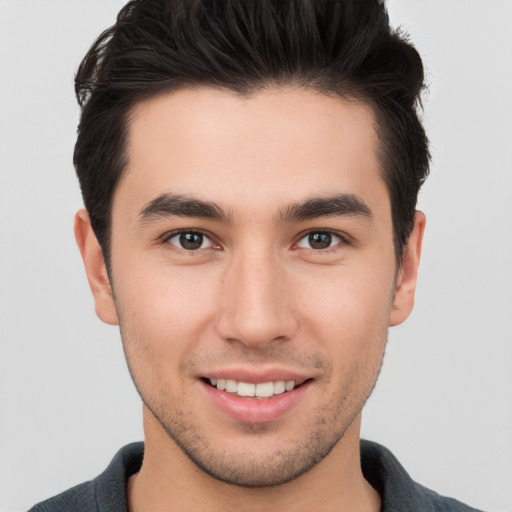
point(331, 206)
point(177, 205)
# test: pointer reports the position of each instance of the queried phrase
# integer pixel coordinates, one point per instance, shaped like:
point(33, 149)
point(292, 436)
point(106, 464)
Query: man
point(250, 173)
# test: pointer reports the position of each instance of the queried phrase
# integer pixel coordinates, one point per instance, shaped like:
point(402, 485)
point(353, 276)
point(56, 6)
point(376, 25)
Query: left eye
point(319, 240)
point(190, 240)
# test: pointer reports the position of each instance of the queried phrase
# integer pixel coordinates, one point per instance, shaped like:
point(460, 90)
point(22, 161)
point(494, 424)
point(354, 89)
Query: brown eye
point(190, 240)
point(319, 240)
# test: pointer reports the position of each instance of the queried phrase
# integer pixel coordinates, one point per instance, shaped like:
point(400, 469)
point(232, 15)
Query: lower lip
point(256, 410)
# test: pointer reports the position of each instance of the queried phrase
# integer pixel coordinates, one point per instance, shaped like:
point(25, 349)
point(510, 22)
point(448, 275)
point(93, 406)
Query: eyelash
point(342, 240)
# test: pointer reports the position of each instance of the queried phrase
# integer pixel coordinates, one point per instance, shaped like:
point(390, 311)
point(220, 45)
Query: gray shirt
point(399, 493)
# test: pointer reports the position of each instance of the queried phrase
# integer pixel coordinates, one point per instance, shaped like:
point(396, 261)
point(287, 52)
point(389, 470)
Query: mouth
point(263, 400)
point(251, 390)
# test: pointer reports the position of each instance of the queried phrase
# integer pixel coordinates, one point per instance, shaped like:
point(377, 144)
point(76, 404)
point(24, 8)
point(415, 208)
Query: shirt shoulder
point(106, 493)
point(397, 489)
point(440, 503)
point(80, 498)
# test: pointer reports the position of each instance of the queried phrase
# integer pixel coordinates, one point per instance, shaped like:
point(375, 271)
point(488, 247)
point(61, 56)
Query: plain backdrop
point(443, 404)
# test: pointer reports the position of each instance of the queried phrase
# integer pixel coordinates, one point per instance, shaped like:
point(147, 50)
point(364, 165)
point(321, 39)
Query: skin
point(256, 297)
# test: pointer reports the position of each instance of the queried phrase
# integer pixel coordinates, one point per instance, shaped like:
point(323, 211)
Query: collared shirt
point(399, 493)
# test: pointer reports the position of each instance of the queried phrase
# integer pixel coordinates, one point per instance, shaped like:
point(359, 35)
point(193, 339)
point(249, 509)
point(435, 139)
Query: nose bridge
point(255, 306)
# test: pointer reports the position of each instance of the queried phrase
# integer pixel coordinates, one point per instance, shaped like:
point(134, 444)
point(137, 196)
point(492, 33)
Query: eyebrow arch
point(178, 205)
point(331, 206)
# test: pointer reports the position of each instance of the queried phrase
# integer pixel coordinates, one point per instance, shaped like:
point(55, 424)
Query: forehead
point(273, 146)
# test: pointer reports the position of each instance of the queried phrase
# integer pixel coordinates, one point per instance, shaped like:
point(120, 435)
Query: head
point(343, 49)
point(250, 172)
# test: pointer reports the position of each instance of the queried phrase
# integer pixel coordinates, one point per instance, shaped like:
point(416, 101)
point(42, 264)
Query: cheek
point(350, 309)
point(165, 309)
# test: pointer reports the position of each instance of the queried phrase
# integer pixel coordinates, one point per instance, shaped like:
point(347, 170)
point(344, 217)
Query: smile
point(256, 402)
point(248, 389)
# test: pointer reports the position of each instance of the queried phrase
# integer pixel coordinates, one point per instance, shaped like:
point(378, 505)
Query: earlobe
point(95, 267)
point(408, 273)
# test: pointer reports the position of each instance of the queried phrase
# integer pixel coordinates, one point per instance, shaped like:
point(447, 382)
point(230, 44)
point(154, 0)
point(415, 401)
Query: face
point(253, 274)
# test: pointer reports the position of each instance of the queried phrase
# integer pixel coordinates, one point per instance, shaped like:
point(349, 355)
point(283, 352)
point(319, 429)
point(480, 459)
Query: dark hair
point(340, 47)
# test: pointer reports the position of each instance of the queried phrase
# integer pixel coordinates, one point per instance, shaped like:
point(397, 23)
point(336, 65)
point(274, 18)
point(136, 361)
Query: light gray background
point(444, 400)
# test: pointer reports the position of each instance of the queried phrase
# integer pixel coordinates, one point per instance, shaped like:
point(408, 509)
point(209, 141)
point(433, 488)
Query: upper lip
point(256, 377)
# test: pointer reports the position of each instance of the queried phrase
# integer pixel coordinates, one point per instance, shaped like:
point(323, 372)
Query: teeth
point(247, 389)
point(279, 387)
point(231, 386)
point(265, 389)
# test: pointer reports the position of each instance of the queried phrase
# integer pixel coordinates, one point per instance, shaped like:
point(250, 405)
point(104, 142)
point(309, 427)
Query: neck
point(169, 480)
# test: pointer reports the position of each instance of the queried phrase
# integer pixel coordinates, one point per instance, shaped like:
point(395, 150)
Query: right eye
point(190, 240)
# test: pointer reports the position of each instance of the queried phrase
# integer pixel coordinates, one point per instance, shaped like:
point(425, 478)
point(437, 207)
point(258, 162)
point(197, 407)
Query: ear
point(408, 273)
point(95, 268)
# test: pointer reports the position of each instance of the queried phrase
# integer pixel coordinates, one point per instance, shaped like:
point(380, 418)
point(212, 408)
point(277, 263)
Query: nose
point(256, 302)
